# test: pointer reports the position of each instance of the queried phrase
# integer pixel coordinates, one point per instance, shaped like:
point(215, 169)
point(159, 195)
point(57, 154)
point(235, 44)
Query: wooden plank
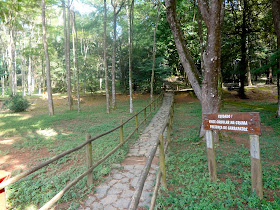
point(241, 122)
point(162, 162)
point(89, 161)
point(211, 156)
point(121, 132)
point(256, 168)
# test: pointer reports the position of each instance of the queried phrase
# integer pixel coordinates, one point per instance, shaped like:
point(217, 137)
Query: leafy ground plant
point(189, 186)
point(34, 136)
point(16, 103)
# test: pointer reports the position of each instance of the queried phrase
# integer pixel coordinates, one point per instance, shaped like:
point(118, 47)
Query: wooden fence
point(90, 166)
point(161, 176)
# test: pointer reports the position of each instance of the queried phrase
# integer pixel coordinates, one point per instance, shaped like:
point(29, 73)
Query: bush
point(16, 103)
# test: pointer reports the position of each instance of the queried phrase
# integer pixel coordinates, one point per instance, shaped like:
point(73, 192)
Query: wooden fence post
point(121, 132)
point(168, 131)
point(256, 168)
point(136, 122)
point(211, 155)
point(145, 115)
point(89, 161)
point(162, 161)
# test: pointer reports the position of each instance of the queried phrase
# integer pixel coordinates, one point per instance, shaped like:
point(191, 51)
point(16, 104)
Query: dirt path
point(117, 190)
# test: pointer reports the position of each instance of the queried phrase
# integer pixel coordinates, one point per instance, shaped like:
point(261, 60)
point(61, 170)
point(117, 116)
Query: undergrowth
point(67, 129)
point(189, 185)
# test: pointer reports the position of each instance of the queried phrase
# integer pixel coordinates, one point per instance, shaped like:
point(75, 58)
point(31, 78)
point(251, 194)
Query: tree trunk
point(201, 40)
point(249, 77)
point(130, 24)
point(3, 77)
point(15, 69)
point(269, 76)
point(48, 74)
point(208, 94)
point(154, 55)
point(23, 76)
point(32, 81)
point(12, 69)
point(29, 76)
point(243, 62)
point(211, 98)
point(3, 85)
point(75, 64)
point(66, 21)
point(276, 21)
point(105, 60)
point(248, 69)
point(43, 76)
point(114, 56)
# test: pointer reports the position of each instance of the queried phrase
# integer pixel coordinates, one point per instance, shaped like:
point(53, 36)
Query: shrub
point(16, 103)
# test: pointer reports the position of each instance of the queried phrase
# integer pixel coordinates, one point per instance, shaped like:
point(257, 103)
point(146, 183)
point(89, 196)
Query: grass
point(189, 185)
point(55, 134)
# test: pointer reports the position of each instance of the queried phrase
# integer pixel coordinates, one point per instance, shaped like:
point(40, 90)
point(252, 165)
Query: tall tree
point(130, 14)
point(154, 54)
point(116, 12)
point(105, 59)
point(208, 93)
point(276, 21)
point(66, 21)
point(75, 62)
point(48, 73)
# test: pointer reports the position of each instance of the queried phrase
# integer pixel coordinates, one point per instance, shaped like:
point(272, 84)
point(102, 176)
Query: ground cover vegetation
point(187, 171)
point(35, 138)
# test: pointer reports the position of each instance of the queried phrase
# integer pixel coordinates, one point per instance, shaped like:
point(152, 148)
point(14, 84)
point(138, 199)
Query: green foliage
point(187, 172)
point(272, 63)
point(16, 103)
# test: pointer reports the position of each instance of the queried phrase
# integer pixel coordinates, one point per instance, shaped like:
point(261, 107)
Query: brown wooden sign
point(241, 122)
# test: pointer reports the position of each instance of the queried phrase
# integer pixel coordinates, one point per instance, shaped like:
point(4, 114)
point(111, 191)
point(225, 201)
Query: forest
point(71, 67)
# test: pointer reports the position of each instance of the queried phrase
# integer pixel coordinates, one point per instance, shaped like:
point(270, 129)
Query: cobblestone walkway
point(117, 189)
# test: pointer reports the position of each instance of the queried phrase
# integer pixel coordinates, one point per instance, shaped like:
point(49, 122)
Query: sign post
point(241, 122)
point(211, 155)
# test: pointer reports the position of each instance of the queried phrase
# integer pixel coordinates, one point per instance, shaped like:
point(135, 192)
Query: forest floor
point(31, 137)
point(189, 184)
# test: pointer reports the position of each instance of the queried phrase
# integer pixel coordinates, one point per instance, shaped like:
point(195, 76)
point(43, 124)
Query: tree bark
point(208, 94)
point(105, 60)
point(48, 74)
point(243, 43)
point(201, 40)
point(154, 54)
point(114, 56)
point(12, 69)
point(130, 24)
point(75, 64)
point(66, 21)
point(3, 85)
point(276, 21)
point(23, 77)
point(29, 76)
point(116, 11)
point(183, 51)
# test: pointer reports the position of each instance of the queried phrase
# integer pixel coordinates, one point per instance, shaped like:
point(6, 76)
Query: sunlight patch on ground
point(32, 207)
point(47, 132)
point(7, 141)
point(12, 163)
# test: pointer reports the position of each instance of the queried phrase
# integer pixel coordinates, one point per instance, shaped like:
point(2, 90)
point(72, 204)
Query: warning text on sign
point(242, 122)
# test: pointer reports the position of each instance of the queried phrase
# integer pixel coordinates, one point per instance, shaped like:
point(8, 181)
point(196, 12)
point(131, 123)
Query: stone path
point(117, 189)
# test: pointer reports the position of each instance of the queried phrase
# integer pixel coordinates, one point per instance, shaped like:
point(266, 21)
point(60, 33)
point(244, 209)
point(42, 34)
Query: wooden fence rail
point(88, 141)
point(161, 174)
